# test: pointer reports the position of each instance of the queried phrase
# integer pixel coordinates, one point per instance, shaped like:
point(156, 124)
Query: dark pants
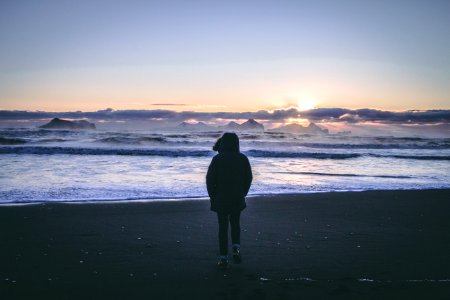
point(234, 220)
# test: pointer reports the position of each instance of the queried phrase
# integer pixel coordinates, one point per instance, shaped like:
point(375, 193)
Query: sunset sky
point(228, 56)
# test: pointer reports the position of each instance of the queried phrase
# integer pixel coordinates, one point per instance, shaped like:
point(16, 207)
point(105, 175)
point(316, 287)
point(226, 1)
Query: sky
point(224, 56)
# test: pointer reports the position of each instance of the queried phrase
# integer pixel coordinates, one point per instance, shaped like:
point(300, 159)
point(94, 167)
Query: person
point(216, 146)
point(228, 181)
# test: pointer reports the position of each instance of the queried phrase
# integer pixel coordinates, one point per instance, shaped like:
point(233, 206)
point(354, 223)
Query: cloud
point(168, 104)
point(110, 114)
point(314, 115)
point(380, 116)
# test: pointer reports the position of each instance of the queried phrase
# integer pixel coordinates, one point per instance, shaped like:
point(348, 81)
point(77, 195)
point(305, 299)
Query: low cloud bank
point(280, 115)
point(373, 115)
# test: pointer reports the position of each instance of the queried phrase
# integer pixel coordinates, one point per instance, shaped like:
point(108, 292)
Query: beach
point(362, 245)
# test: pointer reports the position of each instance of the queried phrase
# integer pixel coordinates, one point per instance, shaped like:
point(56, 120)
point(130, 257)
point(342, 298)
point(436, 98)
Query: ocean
point(41, 165)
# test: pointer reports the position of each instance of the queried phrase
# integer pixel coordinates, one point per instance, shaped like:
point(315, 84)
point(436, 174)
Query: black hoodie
point(229, 176)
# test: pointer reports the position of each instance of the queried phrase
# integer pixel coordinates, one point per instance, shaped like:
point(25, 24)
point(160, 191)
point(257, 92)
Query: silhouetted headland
point(248, 126)
point(312, 128)
point(57, 123)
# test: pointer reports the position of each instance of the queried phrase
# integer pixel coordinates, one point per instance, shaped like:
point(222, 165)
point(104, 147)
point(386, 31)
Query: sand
point(353, 245)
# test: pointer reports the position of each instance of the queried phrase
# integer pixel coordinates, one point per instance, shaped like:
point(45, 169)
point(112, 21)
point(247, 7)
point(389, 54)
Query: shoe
point(237, 258)
point(222, 263)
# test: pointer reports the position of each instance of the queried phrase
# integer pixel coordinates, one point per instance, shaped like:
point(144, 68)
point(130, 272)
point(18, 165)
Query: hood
point(229, 142)
point(216, 146)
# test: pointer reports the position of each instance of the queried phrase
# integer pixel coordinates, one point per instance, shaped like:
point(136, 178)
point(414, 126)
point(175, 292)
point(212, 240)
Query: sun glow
point(299, 121)
point(307, 104)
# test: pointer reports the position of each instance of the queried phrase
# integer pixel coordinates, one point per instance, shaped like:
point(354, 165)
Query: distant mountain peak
point(252, 125)
point(312, 128)
point(249, 125)
point(57, 123)
point(232, 126)
point(199, 126)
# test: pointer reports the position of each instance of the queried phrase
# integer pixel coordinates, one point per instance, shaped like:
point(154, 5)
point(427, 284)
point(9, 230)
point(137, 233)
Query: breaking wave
point(41, 150)
point(347, 175)
point(11, 141)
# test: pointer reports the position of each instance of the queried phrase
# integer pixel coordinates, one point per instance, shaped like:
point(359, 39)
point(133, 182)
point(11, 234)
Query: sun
point(307, 104)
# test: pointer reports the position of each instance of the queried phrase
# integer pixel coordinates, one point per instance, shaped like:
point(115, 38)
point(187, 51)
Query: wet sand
point(356, 245)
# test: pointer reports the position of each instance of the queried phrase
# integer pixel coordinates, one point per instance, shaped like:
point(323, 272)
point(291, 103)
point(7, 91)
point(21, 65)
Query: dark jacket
point(229, 176)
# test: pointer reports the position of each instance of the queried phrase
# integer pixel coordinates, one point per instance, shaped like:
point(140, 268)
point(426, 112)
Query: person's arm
point(211, 179)
point(248, 177)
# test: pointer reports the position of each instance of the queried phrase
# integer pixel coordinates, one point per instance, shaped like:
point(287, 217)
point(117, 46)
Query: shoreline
point(349, 245)
point(202, 198)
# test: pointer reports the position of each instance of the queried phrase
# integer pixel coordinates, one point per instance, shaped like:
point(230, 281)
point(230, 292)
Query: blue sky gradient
point(224, 55)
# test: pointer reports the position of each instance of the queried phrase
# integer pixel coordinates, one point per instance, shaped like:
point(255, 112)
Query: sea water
point(39, 165)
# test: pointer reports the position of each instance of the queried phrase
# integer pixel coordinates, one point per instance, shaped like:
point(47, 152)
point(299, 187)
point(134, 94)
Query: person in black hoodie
point(216, 146)
point(228, 181)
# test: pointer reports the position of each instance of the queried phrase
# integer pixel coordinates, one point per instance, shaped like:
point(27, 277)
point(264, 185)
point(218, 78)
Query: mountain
point(299, 129)
point(251, 125)
point(314, 129)
point(232, 126)
point(57, 123)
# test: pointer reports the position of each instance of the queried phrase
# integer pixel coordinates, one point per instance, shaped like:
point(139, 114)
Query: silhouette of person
point(228, 181)
point(216, 146)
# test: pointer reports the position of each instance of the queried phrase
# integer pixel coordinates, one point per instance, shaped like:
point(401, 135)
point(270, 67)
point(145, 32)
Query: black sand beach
point(355, 245)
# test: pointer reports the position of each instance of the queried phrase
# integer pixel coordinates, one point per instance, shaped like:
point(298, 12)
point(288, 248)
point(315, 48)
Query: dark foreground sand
point(361, 245)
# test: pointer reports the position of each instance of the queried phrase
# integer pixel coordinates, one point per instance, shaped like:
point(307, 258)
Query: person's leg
point(236, 236)
point(235, 228)
point(223, 233)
